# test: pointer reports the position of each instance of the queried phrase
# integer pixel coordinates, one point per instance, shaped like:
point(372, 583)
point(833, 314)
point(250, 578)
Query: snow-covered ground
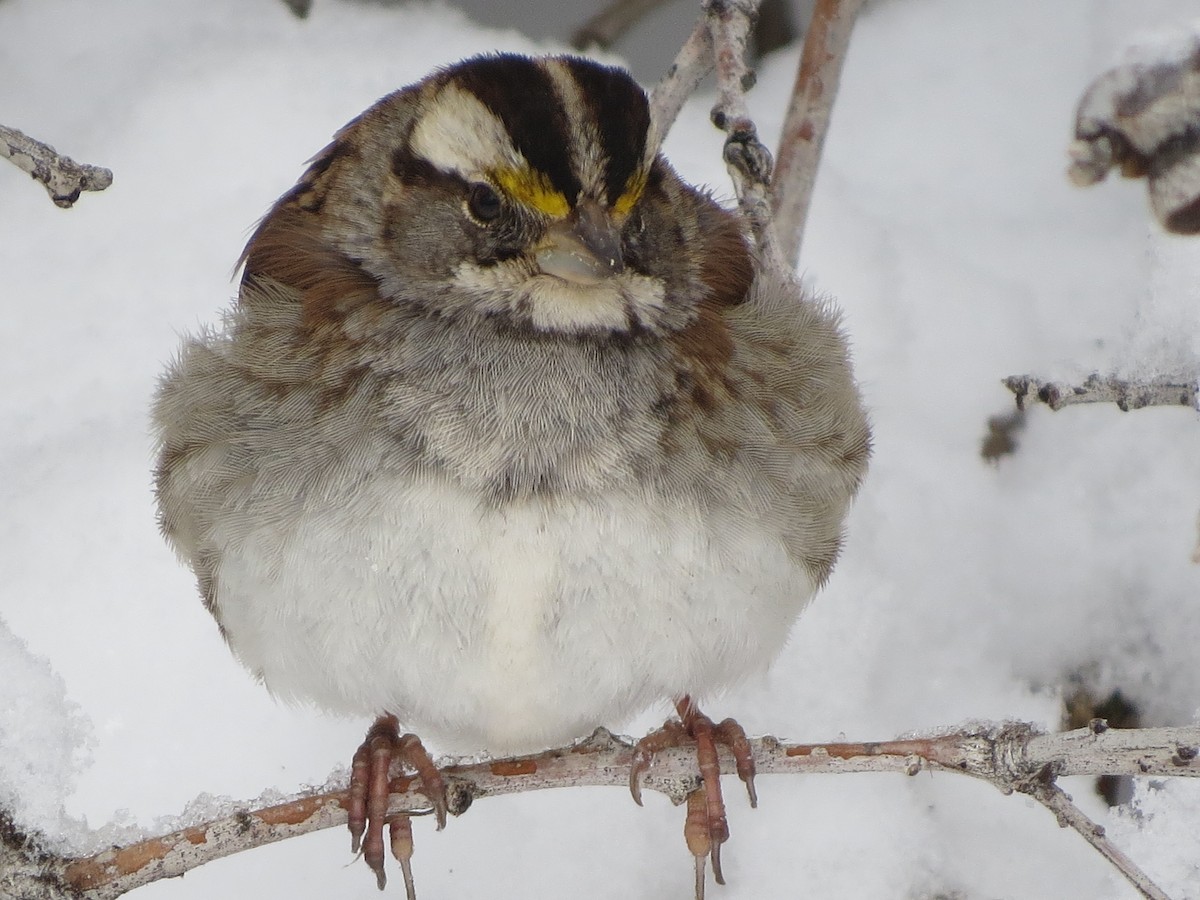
point(945, 226)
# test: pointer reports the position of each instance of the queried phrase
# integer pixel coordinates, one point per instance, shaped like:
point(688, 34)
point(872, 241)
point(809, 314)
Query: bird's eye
point(484, 203)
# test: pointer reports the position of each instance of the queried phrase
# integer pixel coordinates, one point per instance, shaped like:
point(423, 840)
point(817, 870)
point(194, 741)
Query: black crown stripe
point(622, 116)
point(522, 96)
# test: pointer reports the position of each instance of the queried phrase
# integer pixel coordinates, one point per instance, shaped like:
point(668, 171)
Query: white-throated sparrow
point(504, 438)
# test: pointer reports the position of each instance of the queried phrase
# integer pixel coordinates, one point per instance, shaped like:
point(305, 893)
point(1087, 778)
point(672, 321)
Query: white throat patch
point(552, 304)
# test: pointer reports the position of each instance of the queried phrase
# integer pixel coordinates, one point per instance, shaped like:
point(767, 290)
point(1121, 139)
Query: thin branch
point(1096, 749)
point(746, 157)
point(1069, 815)
point(63, 178)
point(807, 120)
point(719, 39)
point(1125, 394)
point(1012, 756)
point(692, 63)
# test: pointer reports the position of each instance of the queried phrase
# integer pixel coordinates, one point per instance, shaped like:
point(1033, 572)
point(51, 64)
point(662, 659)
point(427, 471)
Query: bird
point(508, 434)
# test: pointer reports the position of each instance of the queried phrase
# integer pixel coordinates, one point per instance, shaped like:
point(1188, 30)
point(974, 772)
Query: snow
point(942, 222)
point(1155, 828)
point(43, 739)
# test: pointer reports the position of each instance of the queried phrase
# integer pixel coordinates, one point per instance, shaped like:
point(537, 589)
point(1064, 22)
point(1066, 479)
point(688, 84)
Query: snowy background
point(945, 226)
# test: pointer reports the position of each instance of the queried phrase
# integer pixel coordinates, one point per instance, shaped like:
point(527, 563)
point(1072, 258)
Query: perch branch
point(1012, 756)
point(1126, 395)
point(63, 178)
point(807, 121)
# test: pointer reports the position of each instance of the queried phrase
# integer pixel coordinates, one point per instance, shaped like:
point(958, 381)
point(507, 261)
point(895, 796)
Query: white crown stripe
point(588, 159)
point(459, 134)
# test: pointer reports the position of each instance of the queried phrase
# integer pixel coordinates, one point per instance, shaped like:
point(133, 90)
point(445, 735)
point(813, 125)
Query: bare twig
point(746, 157)
point(1125, 394)
point(692, 63)
point(1012, 756)
point(719, 39)
point(807, 120)
point(1069, 815)
point(606, 27)
point(63, 178)
point(1097, 747)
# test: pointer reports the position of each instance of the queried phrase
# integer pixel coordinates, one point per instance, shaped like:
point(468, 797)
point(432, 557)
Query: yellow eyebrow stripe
point(532, 188)
point(633, 192)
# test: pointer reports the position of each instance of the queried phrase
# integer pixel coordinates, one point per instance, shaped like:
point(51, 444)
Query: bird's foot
point(705, 828)
point(369, 788)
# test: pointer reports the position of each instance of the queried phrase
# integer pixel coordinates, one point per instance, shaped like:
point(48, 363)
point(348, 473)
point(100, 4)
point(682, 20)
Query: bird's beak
point(583, 248)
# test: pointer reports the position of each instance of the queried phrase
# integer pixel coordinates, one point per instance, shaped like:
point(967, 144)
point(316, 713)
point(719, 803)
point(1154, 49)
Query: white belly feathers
point(514, 655)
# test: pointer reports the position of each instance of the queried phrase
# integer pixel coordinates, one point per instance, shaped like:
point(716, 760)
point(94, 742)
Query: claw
point(715, 856)
point(732, 735)
point(400, 833)
point(672, 734)
point(751, 793)
point(696, 835)
point(380, 874)
point(641, 762)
